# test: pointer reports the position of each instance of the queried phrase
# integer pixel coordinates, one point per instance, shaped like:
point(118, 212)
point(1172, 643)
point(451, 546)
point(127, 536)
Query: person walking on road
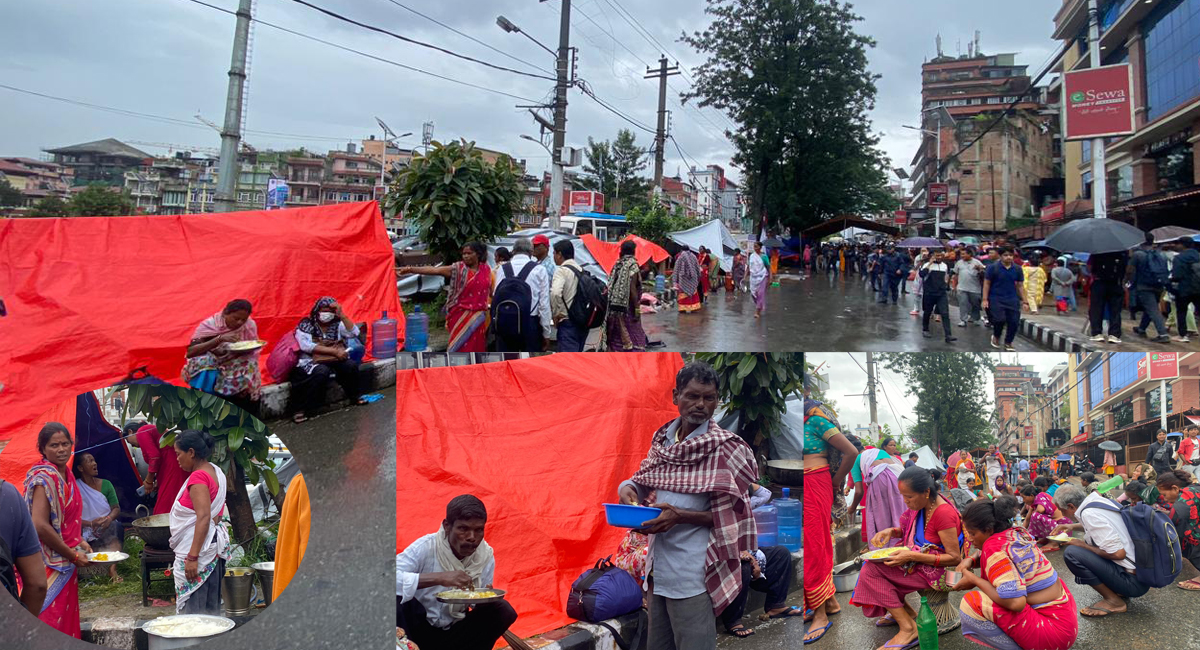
point(1035, 284)
point(760, 278)
point(1107, 294)
point(935, 294)
point(1003, 293)
point(895, 269)
point(1185, 284)
point(1150, 276)
point(1062, 283)
point(968, 281)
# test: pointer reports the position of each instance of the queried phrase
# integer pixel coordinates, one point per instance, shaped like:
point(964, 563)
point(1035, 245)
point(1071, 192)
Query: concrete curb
point(1054, 339)
point(380, 373)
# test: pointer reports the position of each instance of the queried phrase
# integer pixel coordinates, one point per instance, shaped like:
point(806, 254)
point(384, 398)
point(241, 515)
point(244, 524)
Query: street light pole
point(1099, 173)
point(560, 114)
point(231, 134)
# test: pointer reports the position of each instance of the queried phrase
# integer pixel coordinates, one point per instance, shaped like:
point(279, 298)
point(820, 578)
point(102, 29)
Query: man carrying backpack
point(521, 302)
point(1150, 276)
point(1185, 284)
point(1105, 558)
point(563, 288)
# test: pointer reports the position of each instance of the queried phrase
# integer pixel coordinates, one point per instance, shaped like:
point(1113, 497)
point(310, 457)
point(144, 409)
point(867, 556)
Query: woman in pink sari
point(57, 509)
point(467, 304)
point(212, 367)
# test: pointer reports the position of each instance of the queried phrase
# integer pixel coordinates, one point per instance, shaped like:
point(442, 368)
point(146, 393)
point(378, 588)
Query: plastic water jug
point(789, 512)
point(660, 283)
point(927, 627)
point(383, 337)
point(416, 331)
point(766, 519)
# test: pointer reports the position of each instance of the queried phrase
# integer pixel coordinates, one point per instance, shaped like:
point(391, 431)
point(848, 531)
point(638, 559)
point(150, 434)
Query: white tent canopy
point(712, 235)
point(927, 459)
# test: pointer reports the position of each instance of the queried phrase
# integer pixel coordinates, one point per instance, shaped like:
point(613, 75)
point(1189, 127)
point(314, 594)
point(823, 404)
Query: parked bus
point(605, 227)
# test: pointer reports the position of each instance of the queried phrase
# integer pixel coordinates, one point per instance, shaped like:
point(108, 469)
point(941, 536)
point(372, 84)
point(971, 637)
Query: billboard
point(901, 218)
point(1028, 432)
point(1099, 102)
point(1163, 365)
point(939, 195)
point(586, 202)
point(1052, 212)
point(277, 193)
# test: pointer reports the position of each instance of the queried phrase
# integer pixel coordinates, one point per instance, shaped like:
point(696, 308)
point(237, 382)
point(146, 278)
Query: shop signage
point(901, 217)
point(587, 202)
point(1163, 365)
point(1028, 432)
point(1167, 142)
point(1053, 212)
point(1099, 102)
point(1080, 438)
point(939, 195)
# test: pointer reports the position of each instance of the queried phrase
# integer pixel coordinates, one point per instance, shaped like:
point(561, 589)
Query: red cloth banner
point(91, 299)
point(607, 253)
point(543, 442)
point(1099, 102)
point(21, 452)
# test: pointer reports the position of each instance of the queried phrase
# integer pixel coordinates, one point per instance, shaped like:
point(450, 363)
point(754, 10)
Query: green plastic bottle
point(927, 627)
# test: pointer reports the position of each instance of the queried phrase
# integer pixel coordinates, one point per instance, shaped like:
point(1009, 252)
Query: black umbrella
point(1109, 445)
point(1095, 236)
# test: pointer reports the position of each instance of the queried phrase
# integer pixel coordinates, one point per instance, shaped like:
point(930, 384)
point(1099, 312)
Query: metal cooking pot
point(155, 531)
point(786, 472)
point(158, 642)
point(845, 576)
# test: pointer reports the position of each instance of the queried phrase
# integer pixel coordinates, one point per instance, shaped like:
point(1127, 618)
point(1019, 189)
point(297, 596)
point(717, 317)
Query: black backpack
point(8, 566)
point(1163, 455)
point(512, 304)
point(589, 307)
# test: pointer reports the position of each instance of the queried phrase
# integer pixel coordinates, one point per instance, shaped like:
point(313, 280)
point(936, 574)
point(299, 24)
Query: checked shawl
point(720, 463)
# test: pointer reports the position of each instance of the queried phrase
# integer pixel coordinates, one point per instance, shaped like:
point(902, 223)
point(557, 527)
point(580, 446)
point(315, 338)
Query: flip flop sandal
point(887, 620)
point(822, 630)
point(906, 646)
point(1095, 608)
point(740, 632)
point(1193, 585)
point(787, 613)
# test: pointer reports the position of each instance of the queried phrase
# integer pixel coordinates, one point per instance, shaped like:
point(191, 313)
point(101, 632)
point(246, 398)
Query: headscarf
point(313, 326)
point(621, 280)
point(214, 326)
point(687, 272)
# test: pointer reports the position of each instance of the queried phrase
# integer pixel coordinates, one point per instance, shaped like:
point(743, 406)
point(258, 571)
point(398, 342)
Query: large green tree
point(793, 75)
point(9, 195)
point(953, 408)
point(615, 168)
point(101, 201)
point(758, 384)
point(50, 206)
point(456, 196)
point(654, 222)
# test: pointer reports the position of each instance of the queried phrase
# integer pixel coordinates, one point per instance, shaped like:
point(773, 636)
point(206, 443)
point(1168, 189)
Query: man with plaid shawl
point(700, 476)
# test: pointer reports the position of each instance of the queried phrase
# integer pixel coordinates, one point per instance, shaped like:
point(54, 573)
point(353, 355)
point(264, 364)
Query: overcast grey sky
point(170, 58)
point(848, 378)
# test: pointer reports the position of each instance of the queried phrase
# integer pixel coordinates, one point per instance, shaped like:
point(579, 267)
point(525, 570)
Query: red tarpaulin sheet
point(543, 442)
point(607, 253)
point(21, 452)
point(91, 299)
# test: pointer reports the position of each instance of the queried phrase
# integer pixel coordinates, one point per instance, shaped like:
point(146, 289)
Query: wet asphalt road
point(1164, 618)
point(778, 634)
point(341, 597)
point(727, 323)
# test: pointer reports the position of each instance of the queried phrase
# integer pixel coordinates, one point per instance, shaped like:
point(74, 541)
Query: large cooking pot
point(845, 576)
point(786, 472)
point(155, 531)
point(160, 639)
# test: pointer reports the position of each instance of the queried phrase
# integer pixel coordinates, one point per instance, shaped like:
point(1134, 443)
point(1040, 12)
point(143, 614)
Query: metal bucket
point(237, 590)
point(845, 576)
point(266, 578)
point(160, 642)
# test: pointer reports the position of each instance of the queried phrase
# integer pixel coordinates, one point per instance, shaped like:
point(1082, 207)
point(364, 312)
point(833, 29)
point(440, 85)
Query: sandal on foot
point(887, 620)
point(299, 418)
point(820, 636)
point(1190, 585)
point(1097, 608)
point(740, 632)
point(788, 613)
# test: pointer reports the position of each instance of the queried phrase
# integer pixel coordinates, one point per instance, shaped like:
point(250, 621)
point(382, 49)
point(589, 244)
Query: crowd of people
point(1003, 518)
point(994, 283)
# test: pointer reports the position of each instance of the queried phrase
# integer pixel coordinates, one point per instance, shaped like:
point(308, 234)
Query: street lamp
point(542, 144)
point(508, 26)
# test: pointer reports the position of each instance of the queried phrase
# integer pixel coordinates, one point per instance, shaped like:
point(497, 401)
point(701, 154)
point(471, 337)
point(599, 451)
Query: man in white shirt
point(530, 340)
point(968, 273)
point(1104, 558)
point(455, 557)
point(571, 337)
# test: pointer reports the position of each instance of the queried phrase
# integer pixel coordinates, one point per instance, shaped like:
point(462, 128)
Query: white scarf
point(871, 472)
point(183, 530)
point(472, 565)
point(758, 270)
point(95, 506)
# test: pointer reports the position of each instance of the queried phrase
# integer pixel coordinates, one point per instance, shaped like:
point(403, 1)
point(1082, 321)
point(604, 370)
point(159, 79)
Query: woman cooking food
point(323, 338)
point(467, 303)
point(198, 538)
point(214, 368)
point(931, 535)
point(100, 509)
point(1021, 603)
point(823, 443)
point(57, 509)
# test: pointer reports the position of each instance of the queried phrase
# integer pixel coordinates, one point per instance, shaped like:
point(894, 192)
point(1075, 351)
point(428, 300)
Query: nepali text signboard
point(587, 202)
point(1099, 102)
point(1163, 365)
point(901, 218)
point(939, 195)
point(1028, 432)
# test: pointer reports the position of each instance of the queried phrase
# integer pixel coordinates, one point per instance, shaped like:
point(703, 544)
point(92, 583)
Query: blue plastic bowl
point(629, 516)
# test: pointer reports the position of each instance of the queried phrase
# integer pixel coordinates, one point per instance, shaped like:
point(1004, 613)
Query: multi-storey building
point(103, 161)
point(1153, 175)
point(679, 193)
point(349, 176)
point(304, 175)
point(1020, 398)
point(1005, 173)
point(716, 196)
point(177, 185)
point(36, 179)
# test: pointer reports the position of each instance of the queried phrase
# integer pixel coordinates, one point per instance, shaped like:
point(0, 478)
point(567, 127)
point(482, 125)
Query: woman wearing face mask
point(214, 368)
point(323, 355)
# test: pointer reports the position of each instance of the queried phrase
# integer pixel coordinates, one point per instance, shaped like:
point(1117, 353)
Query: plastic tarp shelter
point(606, 254)
point(92, 299)
point(544, 442)
point(839, 224)
point(927, 459)
point(713, 235)
point(789, 442)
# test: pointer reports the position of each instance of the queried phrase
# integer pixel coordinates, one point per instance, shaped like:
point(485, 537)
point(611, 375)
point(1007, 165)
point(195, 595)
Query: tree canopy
point(952, 402)
point(653, 222)
point(101, 201)
point(9, 195)
point(793, 75)
point(614, 168)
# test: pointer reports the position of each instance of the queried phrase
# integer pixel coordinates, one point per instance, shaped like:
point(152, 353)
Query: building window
point(1123, 369)
point(1096, 384)
point(1098, 427)
point(243, 197)
point(1123, 414)
point(1172, 36)
point(1154, 402)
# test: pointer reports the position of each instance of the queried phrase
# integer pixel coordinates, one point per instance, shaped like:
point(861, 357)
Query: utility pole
point(231, 135)
point(560, 114)
point(660, 139)
point(871, 388)
point(1099, 173)
point(992, 194)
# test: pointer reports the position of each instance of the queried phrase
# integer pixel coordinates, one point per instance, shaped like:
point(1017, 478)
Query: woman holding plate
point(100, 509)
point(222, 358)
point(931, 535)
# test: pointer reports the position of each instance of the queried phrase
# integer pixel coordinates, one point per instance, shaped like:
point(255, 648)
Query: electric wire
point(469, 37)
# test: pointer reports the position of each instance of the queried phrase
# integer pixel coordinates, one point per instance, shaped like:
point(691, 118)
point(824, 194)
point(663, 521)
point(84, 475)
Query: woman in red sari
point(467, 303)
point(931, 534)
point(705, 260)
point(57, 509)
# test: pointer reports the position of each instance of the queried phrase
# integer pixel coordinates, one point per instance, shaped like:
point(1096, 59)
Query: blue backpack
point(1153, 270)
point(1156, 549)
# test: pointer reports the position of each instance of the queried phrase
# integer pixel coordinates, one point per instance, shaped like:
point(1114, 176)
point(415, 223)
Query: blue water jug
point(383, 337)
point(660, 283)
point(789, 512)
point(766, 519)
point(416, 334)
